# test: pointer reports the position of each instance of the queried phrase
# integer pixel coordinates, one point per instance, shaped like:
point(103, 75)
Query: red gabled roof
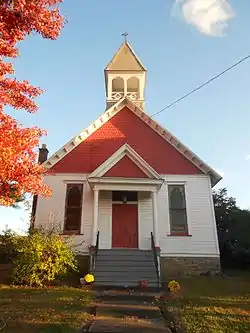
point(125, 127)
point(126, 123)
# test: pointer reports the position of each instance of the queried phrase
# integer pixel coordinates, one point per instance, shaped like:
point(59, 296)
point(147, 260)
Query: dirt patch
point(172, 320)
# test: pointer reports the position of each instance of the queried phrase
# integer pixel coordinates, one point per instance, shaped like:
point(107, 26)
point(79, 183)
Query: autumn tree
point(19, 171)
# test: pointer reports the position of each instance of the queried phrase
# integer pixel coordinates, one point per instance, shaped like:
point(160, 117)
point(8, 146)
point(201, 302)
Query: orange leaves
point(18, 161)
point(18, 94)
point(20, 172)
point(20, 17)
point(6, 68)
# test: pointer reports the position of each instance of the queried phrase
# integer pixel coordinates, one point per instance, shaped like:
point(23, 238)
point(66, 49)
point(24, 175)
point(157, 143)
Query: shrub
point(7, 248)
point(41, 258)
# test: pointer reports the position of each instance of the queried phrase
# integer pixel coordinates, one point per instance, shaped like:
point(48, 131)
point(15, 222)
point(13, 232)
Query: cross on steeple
point(125, 35)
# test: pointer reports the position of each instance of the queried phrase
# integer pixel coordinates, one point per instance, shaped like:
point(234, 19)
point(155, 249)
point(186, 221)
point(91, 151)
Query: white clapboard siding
point(105, 219)
point(50, 211)
point(200, 215)
point(145, 219)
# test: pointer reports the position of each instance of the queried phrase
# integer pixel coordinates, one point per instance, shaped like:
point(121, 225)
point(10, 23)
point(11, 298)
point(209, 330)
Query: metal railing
point(94, 253)
point(155, 254)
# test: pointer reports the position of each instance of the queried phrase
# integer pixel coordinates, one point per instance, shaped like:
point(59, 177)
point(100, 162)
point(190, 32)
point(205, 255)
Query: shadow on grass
point(207, 316)
point(210, 302)
point(43, 328)
point(44, 310)
point(210, 305)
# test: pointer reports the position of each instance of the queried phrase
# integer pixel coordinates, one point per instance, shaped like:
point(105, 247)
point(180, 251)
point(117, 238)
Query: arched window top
point(177, 197)
point(74, 195)
point(73, 209)
point(118, 84)
point(133, 84)
point(177, 210)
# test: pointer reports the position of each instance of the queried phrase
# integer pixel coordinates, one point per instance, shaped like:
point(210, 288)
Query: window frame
point(76, 231)
point(173, 232)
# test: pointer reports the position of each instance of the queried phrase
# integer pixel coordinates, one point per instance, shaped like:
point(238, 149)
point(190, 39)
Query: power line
point(202, 85)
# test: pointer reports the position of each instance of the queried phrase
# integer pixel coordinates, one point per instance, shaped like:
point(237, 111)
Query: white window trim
point(72, 181)
point(66, 183)
point(177, 183)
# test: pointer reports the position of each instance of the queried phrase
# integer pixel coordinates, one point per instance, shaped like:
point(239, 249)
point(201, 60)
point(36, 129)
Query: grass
point(53, 310)
point(212, 305)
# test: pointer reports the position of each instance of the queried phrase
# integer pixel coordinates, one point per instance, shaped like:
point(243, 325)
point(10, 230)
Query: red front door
point(125, 226)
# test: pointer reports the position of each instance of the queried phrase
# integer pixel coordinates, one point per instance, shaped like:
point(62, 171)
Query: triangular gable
point(139, 164)
point(125, 59)
point(125, 168)
point(165, 134)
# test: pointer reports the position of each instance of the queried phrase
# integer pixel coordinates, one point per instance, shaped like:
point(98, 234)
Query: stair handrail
point(94, 253)
point(153, 247)
point(97, 241)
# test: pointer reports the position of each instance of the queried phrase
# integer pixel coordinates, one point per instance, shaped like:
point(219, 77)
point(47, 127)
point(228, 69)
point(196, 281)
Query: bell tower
point(125, 75)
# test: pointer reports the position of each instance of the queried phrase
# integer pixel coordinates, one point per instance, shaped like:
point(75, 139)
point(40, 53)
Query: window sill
point(179, 234)
point(71, 233)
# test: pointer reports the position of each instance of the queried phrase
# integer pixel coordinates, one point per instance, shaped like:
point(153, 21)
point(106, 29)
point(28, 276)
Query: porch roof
point(125, 184)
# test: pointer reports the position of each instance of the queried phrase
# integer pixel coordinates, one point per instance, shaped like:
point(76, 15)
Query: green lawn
point(212, 305)
point(55, 310)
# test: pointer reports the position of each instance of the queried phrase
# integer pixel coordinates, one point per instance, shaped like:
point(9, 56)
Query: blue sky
point(213, 122)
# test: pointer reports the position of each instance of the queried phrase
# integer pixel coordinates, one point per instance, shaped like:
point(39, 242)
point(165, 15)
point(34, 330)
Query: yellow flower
point(89, 278)
point(174, 286)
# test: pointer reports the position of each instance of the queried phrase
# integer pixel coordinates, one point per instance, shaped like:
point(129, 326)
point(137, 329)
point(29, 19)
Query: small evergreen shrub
point(7, 248)
point(41, 258)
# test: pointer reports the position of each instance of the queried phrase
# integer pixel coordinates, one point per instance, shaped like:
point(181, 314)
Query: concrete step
point(128, 310)
point(121, 268)
point(123, 283)
point(139, 275)
point(126, 275)
point(125, 268)
point(128, 325)
point(126, 296)
point(125, 261)
point(117, 257)
point(124, 251)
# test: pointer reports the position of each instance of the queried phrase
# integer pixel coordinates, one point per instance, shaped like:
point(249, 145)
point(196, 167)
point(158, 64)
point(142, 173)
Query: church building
point(136, 201)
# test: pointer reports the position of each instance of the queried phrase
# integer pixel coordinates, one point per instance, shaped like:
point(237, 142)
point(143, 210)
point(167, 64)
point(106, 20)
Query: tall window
point(177, 209)
point(73, 209)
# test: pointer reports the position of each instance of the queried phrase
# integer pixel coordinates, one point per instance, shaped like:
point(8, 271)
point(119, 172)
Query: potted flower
point(144, 284)
point(88, 279)
point(173, 288)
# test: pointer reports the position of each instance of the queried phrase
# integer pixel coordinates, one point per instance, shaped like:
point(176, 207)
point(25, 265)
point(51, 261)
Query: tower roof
point(125, 59)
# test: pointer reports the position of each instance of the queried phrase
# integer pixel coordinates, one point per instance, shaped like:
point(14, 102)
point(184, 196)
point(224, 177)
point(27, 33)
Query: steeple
point(125, 75)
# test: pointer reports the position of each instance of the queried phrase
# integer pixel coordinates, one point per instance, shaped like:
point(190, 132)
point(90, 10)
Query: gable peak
point(125, 76)
point(125, 59)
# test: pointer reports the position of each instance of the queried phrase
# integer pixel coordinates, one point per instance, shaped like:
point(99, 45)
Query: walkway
point(124, 311)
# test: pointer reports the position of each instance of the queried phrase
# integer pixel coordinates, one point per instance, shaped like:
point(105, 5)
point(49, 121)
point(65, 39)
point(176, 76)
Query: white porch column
point(109, 88)
point(155, 218)
point(95, 215)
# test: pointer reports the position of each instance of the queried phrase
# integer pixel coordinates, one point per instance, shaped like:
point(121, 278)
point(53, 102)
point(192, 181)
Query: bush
point(41, 258)
point(7, 248)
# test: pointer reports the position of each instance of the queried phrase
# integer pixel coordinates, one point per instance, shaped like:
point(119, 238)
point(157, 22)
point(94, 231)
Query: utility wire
point(202, 85)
